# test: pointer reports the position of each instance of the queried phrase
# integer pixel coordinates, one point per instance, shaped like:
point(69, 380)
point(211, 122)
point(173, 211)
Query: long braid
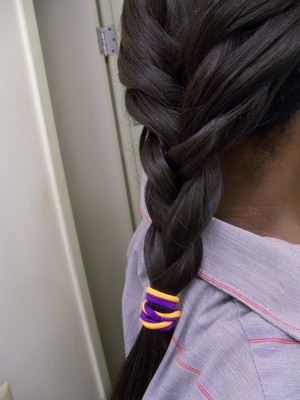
point(202, 77)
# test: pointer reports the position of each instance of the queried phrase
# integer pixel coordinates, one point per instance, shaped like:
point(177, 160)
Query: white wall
point(85, 119)
point(49, 346)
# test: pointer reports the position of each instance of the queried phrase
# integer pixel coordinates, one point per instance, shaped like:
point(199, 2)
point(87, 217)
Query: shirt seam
point(248, 345)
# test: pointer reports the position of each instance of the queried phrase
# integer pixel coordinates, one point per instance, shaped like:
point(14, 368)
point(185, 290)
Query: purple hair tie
point(162, 321)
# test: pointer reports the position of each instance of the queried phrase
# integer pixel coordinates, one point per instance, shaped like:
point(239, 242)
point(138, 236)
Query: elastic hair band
point(163, 321)
point(161, 295)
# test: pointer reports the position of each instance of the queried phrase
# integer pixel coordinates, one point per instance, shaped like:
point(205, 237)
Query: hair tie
point(163, 321)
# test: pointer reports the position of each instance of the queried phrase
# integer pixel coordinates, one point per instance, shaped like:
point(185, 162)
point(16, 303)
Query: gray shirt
point(238, 337)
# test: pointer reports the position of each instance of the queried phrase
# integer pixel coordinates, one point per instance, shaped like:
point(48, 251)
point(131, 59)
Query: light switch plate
point(5, 393)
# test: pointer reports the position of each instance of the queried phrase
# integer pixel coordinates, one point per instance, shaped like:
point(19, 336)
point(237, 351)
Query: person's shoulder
point(135, 284)
point(137, 238)
point(223, 349)
point(209, 352)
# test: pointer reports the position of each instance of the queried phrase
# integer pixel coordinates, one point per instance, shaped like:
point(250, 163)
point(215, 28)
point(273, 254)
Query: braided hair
point(201, 76)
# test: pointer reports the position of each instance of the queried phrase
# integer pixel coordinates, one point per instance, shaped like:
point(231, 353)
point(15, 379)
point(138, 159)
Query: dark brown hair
point(201, 76)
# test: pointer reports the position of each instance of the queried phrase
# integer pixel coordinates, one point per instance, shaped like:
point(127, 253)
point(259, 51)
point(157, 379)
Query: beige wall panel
point(83, 110)
point(129, 131)
point(49, 348)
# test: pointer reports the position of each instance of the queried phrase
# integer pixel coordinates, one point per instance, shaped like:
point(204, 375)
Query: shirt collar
point(260, 272)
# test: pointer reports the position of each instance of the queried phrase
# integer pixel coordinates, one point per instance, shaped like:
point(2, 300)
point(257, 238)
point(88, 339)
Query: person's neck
point(268, 205)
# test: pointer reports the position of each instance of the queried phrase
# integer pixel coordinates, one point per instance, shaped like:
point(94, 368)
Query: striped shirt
point(238, 337)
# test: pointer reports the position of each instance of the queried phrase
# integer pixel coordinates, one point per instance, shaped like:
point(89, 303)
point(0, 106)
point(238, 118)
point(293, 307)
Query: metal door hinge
point(107, 40)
